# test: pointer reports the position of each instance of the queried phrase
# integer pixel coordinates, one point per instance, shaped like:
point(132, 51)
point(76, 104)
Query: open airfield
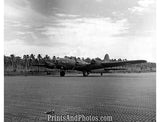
point(126, 97)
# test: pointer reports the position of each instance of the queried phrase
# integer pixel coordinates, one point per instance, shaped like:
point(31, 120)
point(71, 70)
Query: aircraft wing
point(107, 65)
point(46, 65)
point(114, 69)
point(122, 63)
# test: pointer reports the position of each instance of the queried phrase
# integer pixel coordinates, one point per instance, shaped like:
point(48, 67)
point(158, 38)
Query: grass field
point(125, 97)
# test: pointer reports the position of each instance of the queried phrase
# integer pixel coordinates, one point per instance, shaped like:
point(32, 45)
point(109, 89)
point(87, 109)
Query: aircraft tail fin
point(106, 58)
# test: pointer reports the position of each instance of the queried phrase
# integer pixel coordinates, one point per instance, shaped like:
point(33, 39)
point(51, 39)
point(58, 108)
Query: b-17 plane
point(94, 66)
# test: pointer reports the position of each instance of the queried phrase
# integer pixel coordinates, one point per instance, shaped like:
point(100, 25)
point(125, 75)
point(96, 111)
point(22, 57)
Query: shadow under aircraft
point(94, 66)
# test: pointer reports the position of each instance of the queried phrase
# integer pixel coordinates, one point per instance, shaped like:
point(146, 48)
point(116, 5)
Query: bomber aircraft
point(94, 66)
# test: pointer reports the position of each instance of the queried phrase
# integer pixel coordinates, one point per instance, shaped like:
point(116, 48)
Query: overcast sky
point(84, 28)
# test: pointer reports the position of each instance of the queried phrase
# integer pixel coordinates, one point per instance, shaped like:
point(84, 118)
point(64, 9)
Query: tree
point(54, 58)
point(32, 57)
point(12, 56)
point(83, 59)
point(26, 61)
point(47, 58)
point(39, 59)
point(17, 62)
point(6, 62)
point(119, 59)
point(88, 60)
point(31, 60)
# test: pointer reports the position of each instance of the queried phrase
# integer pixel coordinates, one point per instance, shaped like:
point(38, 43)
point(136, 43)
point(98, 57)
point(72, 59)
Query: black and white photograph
point(79, 61)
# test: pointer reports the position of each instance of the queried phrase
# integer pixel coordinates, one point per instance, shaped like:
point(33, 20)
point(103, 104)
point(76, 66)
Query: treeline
point(25, 63)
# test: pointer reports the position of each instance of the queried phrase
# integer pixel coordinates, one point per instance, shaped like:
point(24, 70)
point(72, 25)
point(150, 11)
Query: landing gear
point(48, 73)
point(62, 73)
point(85, 73)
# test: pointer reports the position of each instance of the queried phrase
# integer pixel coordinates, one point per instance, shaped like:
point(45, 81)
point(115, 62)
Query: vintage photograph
point(80, 61)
